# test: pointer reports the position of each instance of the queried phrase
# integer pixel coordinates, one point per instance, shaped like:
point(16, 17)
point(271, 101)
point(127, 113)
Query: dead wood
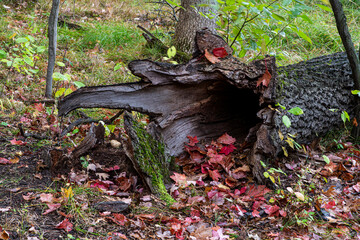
point(202, 99)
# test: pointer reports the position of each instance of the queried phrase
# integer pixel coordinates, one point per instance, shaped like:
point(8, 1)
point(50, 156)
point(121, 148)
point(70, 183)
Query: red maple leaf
point(227, 149)
point(264, 79)
point(226, 139)
point(192, 141)
point(257, 191)
point(255, 213)
point(272, 210)
point(220, 52)
point(66, 225)
point(40, 107)
point(330, 205)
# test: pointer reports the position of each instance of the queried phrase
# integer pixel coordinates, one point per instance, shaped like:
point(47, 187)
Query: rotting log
point(203, 99)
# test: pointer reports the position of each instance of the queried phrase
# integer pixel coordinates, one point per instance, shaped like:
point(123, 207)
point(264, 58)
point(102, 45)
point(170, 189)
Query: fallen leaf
point(215, 175)
point(180, 179)
point(52, 207)
point(220, 52)
point(29, 196)
point(46, 197)
point(355, 123)
point(226, 139)
point(5, 209)
point(3, 234)
point(17, 142)
point(14, 160)
point(300, 196)
point(272, 210)
point(66, 225)
point(227, 149)
point(209, 56)
point(192, 141)
point(4, 161)
point(264, 79)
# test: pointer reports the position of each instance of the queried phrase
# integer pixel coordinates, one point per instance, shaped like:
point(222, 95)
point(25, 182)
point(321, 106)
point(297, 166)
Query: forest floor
point(314, 193)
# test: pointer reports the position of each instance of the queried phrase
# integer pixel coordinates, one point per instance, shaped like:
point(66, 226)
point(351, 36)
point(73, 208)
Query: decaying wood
point(205, 100)
point(93, 137)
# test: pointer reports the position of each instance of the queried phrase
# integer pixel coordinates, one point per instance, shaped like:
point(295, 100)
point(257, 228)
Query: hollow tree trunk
point(205, 100)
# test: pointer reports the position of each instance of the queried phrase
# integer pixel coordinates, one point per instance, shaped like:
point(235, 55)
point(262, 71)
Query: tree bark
point(206, 100)
point(52, 34)
point(191, 21)
point(351, 54)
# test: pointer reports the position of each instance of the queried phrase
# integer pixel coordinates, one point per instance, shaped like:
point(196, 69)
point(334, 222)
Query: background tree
point(190, 21)
point(351, 53)
point(52, 34)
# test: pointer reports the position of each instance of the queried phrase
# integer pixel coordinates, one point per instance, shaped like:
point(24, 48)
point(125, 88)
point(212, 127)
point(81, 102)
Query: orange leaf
point(355, 123)
point(264, 79)
point(209, 56)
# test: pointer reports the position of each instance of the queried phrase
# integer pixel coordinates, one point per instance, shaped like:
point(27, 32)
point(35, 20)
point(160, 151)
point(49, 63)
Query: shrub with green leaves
point(23, 55)
point(253, 26)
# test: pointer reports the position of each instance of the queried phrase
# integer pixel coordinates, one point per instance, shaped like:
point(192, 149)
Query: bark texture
point(52, 34)
point(191, 21)
point(205, 100)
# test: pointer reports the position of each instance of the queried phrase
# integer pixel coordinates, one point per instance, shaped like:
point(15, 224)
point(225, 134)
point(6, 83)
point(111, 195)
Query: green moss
point(153, 160)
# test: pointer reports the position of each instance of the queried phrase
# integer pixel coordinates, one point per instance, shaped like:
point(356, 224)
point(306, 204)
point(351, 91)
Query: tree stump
point(207, 99)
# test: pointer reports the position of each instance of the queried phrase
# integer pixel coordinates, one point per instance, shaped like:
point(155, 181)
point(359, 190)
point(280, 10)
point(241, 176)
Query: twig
point(89, 120)
point(41, 101)
point(26, 135)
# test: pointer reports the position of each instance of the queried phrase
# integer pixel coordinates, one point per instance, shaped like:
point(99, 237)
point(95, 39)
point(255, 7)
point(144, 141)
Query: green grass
point(323, 33)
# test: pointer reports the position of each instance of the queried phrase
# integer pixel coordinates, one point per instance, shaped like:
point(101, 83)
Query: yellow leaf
point(300, 196)
point(272, 179)
point(304, 149)
point(12, 36)
point(290, 142)
point(67, 193)
point(281, 136)
point(285, 152)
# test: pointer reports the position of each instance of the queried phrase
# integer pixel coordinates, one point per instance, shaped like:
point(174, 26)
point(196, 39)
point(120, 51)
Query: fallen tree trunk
point(203, 99)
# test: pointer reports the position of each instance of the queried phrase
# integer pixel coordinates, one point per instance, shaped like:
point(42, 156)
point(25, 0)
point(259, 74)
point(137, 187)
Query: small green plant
point(305, 218)
point(171, 52)
point(23, 55)
point(273, 174)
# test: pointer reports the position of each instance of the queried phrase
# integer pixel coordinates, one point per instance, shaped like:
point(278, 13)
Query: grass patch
point(112, 36)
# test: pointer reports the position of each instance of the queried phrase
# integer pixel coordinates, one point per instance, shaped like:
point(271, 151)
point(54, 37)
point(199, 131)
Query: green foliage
point(326, 159)
point(286, 120)
point(23, 55)
point(345, 116)
point(254, 25)
point(296, 111)
point(171, 52)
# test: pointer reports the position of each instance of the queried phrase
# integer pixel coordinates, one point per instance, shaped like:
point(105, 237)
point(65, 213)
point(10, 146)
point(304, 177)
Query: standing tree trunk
point(52, 34)
point(351, 54)
point(191, 21)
